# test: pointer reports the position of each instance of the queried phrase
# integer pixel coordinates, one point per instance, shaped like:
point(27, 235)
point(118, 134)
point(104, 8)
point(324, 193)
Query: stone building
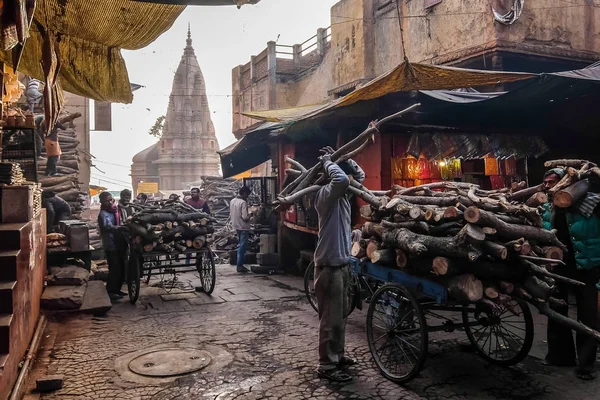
point(365, 40)
point(188, 147)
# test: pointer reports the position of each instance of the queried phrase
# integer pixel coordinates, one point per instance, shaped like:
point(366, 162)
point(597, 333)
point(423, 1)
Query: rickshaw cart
point(397, 329)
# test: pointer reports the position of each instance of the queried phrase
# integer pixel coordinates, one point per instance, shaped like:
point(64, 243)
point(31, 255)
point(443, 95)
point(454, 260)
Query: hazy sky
point(223, 38)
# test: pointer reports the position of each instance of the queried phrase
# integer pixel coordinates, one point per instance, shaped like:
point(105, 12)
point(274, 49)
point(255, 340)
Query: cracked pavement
point(262, 334)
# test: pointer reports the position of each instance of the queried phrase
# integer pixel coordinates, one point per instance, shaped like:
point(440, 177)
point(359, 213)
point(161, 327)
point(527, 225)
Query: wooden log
point(49, 181)
point(445, 266)
point(572, 194)
point(416, 245)
point(525, 248)
point(494, 271)
point(527, 192)
point(566, 321)
point(537, 199)
point(452, 213)
point(566, 163)
point(538, 289)
point(371, 229)
point(489, 231)
point(552, 252)
point(435, 185)
point(369, 214)
point(506, 287)
point(68, 185)
point(372, 246)
point(492, 306)
point(357, 250)
point(491, 292)
point(401, 258)
point(470, 234)
point(465, 288)
point(553, 301)
point(371, 199)
point(384, 257)
point(542, 271)
point(199, 242)
point(512, 231)
point(494, 249)
point(435, 201)
point(416, 214)
point(541, 260)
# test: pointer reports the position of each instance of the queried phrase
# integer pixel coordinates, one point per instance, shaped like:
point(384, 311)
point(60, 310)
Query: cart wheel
point(133, 276)
point(207, 271)
point(309, 286)
point(309, 289)
point(397, 333)
point(504, 336)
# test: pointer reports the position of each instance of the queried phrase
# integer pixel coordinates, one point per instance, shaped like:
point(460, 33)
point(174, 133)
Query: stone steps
point(6, 296)
point(8, 265)
point(5, 323)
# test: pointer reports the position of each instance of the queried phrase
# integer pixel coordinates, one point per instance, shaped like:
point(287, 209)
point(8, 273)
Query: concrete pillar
point(297, 50)
point(253, 68)
point(321, 41)
point(272, 67)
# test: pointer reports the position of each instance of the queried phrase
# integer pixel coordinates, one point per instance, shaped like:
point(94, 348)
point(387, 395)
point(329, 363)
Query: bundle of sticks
point(219, 192)
point(484, 246)
point(11, 174)
point(169, 226)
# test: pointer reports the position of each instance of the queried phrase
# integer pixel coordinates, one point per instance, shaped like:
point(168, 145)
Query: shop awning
point(90, 36)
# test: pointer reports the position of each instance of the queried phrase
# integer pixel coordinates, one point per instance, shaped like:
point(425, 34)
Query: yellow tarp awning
point(90, 35)
point(405, 77)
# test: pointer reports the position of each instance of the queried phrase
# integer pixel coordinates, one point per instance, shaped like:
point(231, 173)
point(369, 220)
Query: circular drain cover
point(170, 362)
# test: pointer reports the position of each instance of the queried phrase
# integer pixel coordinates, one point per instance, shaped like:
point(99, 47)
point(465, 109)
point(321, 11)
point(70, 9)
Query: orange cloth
point(52, 147)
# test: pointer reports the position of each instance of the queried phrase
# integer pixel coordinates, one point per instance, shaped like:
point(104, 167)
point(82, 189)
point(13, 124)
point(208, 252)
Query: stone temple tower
point(188, 147)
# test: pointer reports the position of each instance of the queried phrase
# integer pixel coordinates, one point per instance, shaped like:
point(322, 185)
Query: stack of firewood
point(169, 226)
point(67, 185)
point(219, 192)
point(11, 174)
point(575, 184)
point(484, 246)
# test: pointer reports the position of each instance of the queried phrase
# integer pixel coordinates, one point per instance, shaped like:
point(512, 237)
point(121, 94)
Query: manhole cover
point(170, 362)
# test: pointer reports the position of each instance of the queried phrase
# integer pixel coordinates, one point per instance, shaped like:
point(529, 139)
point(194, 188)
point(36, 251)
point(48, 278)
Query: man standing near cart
point(578, 228)
point(109, 220)
point(240, 219)
point(332, 273)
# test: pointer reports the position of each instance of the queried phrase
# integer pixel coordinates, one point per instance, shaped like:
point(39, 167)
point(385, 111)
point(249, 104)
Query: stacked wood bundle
point(219, 192)
point(485, 246)
point(169, 226)
point(11, 174)
point(575, 184)
point(95, 239)
point(66, 185)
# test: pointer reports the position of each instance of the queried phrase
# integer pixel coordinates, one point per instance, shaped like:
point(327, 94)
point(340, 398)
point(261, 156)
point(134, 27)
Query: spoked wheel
point(502, 336)
point(397, 333)
point(309, 286)
point(309, 289)
point(133, 276)
point(207, 271)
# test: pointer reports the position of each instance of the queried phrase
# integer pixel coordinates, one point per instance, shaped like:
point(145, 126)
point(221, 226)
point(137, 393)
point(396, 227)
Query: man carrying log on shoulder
point(578, 227)
point(332, 273)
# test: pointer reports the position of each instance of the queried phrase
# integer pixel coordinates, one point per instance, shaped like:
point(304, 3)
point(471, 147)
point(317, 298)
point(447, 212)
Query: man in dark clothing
point(109, 220)
point(125, 208)
point(56, 209)
point(578, 228)
point(332, 273)
point(142, 198)
point(197, 202)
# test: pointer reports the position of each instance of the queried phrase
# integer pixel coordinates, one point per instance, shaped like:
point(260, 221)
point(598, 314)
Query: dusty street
point(255, 339)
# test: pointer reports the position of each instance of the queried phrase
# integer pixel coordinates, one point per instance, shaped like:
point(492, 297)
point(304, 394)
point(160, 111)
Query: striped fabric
point(588, 204)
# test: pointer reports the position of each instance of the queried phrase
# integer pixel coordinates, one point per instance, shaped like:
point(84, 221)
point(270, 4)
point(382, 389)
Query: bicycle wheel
point(133, 276)
point(207, 271)
point(397, 333)
point(502, 336)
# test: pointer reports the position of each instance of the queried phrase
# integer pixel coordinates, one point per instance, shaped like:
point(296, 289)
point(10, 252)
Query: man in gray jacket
point(332, 256)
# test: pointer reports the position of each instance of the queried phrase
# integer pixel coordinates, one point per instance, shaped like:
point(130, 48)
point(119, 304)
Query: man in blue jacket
point(578, 227)
point(109, 220)
point(332, 256)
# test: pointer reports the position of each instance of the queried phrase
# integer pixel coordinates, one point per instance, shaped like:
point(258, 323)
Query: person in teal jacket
point(578, 227)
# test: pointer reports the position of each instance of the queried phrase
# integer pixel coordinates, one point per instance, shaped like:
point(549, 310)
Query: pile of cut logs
point(67, 185)
point(219, 192)
point(11, 174)
point(169, 226)
point(485, 246)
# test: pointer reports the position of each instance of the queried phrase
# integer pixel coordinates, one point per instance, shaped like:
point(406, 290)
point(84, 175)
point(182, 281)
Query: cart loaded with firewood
point(451, 246)
point(166, 238)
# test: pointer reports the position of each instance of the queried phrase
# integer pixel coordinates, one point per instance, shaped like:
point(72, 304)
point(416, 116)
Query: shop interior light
point(442, 163)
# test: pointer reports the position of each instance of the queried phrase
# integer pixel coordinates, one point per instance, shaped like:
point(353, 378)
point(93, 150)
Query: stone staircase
point(22, 271)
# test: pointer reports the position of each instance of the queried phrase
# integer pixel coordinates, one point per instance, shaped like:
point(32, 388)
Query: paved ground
point(260, 334)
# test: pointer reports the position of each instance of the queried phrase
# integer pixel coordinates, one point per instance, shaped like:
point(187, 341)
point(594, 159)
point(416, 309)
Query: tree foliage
point(157, 128)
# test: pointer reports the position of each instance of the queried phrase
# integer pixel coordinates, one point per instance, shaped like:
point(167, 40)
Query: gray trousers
point(331, 288)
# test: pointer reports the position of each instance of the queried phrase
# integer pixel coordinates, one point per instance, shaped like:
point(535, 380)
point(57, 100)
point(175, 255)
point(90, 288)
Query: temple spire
point(189, 36)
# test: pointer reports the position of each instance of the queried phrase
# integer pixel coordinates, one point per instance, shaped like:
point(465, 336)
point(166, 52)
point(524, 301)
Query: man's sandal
point(346, 362)
point(334, 375)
